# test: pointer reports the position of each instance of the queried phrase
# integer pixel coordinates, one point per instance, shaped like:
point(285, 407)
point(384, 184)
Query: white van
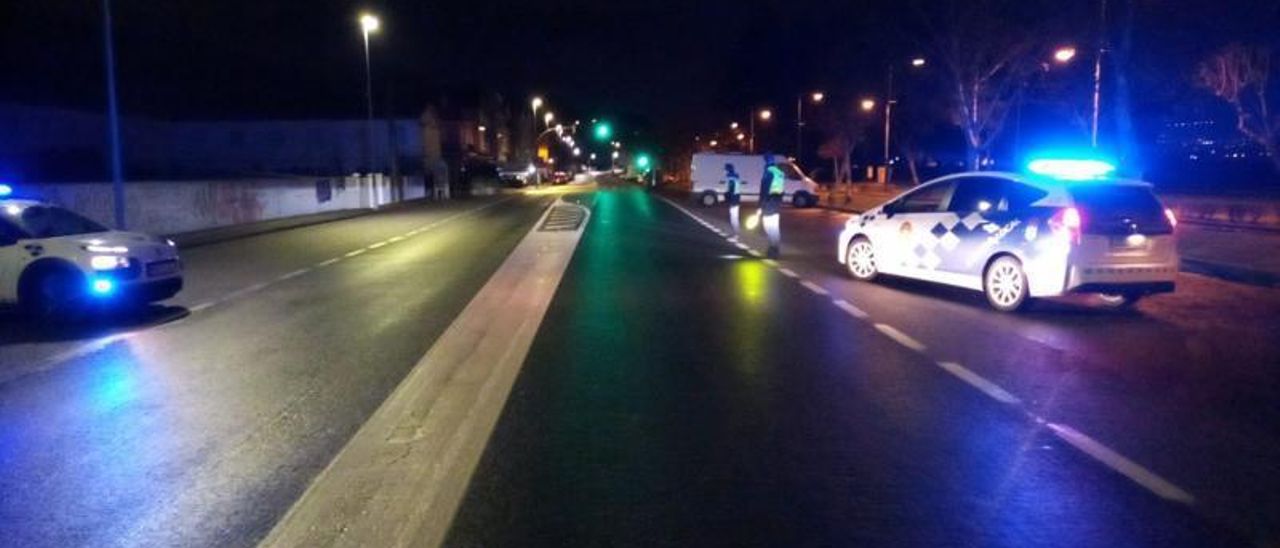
point(708, 178)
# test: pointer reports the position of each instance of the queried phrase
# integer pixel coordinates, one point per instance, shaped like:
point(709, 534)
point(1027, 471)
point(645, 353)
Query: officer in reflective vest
point(772, 186)
point(733, 197)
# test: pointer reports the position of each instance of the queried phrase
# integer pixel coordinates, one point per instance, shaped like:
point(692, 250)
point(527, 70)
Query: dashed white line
point(814, 287)
point(395, 239)
point(293, 274)
point(849, 308)
point(354, 253)
point(770, 262)
point(977, 381)
point(329, 262)
point(742, 246)
point(376, 245)
point(901, 338)
point(788, 272)
point(201, 307)
point(1119, 463)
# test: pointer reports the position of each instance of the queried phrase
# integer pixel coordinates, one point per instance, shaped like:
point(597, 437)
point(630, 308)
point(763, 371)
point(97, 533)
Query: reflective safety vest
point(734, 185)
point(777, 181)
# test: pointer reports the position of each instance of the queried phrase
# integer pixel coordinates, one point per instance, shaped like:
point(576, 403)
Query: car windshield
point(44, 221)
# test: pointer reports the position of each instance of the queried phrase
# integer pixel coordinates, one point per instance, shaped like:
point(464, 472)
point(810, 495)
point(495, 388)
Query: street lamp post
point(765, 115)
point(369, 24)
point(817, 98)
point(1097, 70)
point(113, 118)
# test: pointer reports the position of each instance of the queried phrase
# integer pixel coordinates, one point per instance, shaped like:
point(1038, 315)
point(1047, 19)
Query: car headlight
point(113, 249)
point(108, 262)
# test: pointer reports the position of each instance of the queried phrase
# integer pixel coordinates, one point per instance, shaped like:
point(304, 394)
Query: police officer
point(772, 186)
point(733, 197)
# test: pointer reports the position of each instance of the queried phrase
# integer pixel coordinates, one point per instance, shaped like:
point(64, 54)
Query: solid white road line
point(901, 338)
point(815, 287)
point(1119, 463)
point(291, 275)
point(400, 479)
point(977, 381)
point(849, 308)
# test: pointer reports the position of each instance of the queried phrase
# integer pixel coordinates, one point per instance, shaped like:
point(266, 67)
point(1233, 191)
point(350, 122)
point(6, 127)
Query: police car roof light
point(5, 190)
point(1071, 169)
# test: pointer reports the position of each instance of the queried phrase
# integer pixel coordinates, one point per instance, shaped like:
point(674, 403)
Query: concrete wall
point(170, 207)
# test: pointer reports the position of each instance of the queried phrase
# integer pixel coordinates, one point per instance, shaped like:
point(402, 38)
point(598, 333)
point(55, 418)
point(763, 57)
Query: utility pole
point(1097, 69)
point(113, 118)
point(888, 119)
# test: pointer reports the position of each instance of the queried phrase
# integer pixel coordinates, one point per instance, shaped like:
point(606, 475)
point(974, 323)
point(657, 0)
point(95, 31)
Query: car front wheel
point(1005, 284)
point(861, 260)
point(707, 199)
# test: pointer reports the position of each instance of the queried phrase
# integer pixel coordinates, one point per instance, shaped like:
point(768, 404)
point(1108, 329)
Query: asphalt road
point(200, 422)
point(682, 391)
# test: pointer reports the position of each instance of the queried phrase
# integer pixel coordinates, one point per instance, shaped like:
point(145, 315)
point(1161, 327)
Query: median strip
point(400, 479)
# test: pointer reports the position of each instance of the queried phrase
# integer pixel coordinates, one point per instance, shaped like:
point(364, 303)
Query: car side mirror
point(890, 209)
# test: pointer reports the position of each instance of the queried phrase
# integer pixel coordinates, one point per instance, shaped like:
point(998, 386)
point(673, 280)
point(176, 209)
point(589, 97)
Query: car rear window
point(1120, 209)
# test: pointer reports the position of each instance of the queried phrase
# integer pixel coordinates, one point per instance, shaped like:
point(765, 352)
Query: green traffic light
point(642, 162)
point(603, 131)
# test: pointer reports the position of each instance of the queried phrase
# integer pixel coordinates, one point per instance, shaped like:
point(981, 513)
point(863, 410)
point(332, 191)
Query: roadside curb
point(1231, 273)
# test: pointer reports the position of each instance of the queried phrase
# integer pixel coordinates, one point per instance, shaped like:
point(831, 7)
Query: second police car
point(1067, 227)
point(54, 261)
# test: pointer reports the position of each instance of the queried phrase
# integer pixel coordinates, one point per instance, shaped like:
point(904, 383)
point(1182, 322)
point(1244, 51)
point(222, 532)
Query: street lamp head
point(818, 96)
point(766, 114)
point(867, 105)
point(483, 129)
point(577, 151)
point(741, 136)
point(369, 23)
point(917, 62)
point(536, 103)
point(733, 125)
point(548, 117)
point(1064, 54)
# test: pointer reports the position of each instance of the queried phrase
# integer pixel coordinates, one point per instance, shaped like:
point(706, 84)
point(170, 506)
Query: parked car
point(707, 174)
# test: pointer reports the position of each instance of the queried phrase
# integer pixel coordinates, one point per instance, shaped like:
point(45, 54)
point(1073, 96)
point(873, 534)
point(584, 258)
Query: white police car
point(1067, 227)
point(53, 261)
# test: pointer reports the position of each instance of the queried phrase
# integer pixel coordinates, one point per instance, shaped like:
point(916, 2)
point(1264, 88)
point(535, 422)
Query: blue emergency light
point(5, 190)
point(1071, 169)
point(102, 287)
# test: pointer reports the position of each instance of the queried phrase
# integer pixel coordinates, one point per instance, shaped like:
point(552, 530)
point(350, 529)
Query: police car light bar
point(1071, 170)
point(5, 190)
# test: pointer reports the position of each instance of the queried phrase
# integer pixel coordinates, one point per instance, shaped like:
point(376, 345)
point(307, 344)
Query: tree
point(1240, 75)
point(844, 129)
point(988, 49)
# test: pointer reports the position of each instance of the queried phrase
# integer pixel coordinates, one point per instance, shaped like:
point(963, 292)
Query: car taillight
point(1067, 220)
point(1173, 219)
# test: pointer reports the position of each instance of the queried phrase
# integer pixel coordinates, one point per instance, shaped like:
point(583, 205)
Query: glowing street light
point(547, 119)
point(817, 96)
point(1064, 54)
point(867, 105)
point(741, 136)
point(369, 24)
point(714, 143)
point(577, 151)
point(917, 62)
point(733, 125)
point(766, 114)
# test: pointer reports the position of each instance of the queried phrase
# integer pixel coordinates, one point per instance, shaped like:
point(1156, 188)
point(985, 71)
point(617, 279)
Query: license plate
point(162, 268)
point(1131, 242)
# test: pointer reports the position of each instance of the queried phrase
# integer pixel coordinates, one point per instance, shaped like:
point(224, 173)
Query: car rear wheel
point(1005, 284)
point(802, 199)
point(707, 199)
point(861, 260)
point(1120, 300)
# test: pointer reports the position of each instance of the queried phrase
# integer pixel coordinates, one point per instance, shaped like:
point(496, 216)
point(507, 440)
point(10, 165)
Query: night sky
point(684, 63)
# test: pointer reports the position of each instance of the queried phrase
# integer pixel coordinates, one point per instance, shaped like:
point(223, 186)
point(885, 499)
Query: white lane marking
point(770, 262)
point(977, 381)
point(815, 287)
point(376, 245)
point(395, 239)
point(401, 477)
point(901, 338)
point(354, 253)
point(1119, 463)
point(742, 246)
point(329, 262)
point(201, 307)
point(788, 272)
point(849, 308)
point(754, 253)
point(293, 274)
